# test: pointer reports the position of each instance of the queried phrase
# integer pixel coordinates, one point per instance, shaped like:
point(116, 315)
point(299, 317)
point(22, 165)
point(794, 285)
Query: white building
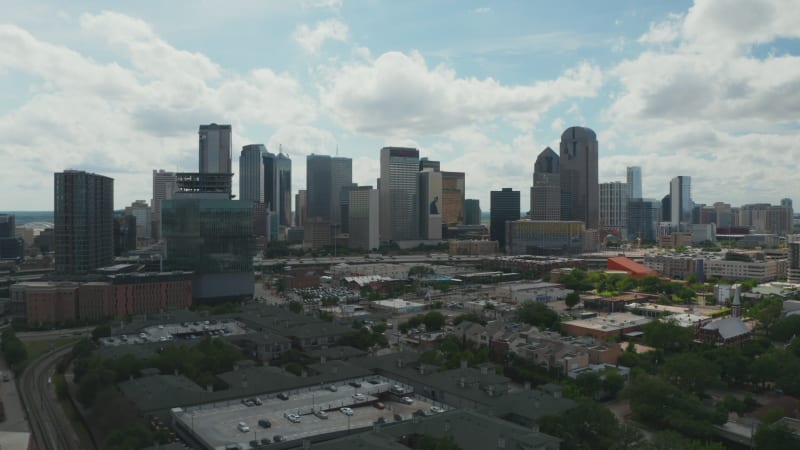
point(531, 292)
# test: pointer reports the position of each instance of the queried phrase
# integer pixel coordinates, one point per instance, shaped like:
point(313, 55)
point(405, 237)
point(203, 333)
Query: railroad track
point(51, 429)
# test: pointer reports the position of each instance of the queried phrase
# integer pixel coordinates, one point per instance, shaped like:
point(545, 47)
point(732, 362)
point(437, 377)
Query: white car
point(436, 409)
point(294, 418)
point(243, 427)
point(407, 400)
point(346, 411)
point(359, 397)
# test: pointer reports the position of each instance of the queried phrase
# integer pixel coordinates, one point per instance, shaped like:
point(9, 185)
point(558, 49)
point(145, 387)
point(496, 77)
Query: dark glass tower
point(504, 206)
point(84, 221)
point(579, 178)
point(283, 178)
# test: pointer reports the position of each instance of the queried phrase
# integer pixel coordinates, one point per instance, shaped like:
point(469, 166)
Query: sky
point(708, 89)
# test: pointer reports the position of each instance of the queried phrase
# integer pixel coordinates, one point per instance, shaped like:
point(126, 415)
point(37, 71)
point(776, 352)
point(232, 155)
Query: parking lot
point(178, 331)
point(218, 426)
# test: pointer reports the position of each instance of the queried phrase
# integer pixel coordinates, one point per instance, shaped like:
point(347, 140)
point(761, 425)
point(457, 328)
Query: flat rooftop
point(614, 321)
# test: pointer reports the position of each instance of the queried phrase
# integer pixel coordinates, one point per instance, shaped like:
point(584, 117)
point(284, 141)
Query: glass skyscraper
point(215, 148)
point(503, 207)
point(251, 173)
point(399, 197)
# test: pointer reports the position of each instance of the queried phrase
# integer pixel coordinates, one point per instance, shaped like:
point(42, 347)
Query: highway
point(51, 429)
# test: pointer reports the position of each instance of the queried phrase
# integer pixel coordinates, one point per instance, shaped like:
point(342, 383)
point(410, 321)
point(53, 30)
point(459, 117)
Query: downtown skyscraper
point(277, 187)
point(399, 196)
point(251, 173)
point(503, 207)
point(579, 176)
point(680, 193)
point(634, 181)
point(84, 221)
point(546, 189)
point(215, 148)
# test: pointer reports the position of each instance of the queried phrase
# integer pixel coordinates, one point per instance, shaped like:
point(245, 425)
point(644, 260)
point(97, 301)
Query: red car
point(379, 405)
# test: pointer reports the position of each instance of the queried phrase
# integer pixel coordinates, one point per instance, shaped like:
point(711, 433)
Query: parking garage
point(255, 421)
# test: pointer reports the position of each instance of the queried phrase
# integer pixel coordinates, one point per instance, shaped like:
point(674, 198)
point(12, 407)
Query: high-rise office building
point(341, 177)
point(546, 189)
point(793, 266)
point(363, 217)
point(425, 163)
point(680, 193)
point(430, 204)
point(504, 206)
point(214, 239)
point(318, 187)
point(472, 211)
point(141, 212)
point(453, 196)
point(84, 221)
point(164, 186)
point(11, 246)
point(643, 217)
point(614, 207)
point(666, 208)
point(215, 148)
point(300, 213)
point(283, 190)
point(634, 182)
point(399, 198)
point(344, 207)
point(251, 173)
point(579, 176)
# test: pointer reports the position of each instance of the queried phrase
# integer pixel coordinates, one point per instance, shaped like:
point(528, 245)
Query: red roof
point(632, 267)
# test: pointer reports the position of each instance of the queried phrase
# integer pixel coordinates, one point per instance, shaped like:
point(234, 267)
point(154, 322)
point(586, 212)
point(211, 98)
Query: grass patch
point(39, 347)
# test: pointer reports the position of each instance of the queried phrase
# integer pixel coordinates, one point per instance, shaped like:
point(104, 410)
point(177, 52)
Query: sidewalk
point(15, 415)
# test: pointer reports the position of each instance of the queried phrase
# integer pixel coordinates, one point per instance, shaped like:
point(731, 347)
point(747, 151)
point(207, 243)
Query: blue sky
point(709, 89)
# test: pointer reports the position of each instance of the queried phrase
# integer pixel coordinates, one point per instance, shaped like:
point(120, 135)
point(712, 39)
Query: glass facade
point(399, 194)
point(504, 206)
point(643, 218)
point(208, 236)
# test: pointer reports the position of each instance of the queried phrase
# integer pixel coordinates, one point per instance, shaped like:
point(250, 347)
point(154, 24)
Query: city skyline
point(120, 93)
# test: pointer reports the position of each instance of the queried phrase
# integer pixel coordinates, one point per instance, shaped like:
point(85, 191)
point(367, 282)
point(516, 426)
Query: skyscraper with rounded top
point(251, 173)
point(579, 176)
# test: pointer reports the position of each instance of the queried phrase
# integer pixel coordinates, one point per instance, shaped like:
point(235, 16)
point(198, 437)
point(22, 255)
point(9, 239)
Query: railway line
point(50, 427)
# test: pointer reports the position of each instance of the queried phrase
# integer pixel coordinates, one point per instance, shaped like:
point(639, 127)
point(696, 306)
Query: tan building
point(604, 327)
point(453, 196)
point(674, 240)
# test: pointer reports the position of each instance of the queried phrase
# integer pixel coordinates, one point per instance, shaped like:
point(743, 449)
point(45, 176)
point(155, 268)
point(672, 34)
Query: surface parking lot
point(172, 332)
point(217, 425)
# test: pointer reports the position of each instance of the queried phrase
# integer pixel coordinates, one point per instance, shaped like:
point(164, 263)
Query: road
point(51, 429)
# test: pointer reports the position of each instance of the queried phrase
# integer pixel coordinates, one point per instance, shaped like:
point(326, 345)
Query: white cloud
point(323, 4)
point(398, 93)
point(129, 116)
point(709, 105)
point(482, 10)
point(663, 32)
point(312, 39)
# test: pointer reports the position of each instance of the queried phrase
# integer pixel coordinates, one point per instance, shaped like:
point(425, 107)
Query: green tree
point(612, 383)
point(776, 436)
point(785, 329)
point(101, 331)
point(629, 438)
point(538, 314)
point(589, 426)
point(667, 336)
point(434, 321)
point(13, 349)
point(572, 299)
point(469, 317)
point(691, 371)
point(295, 307)
point(430, 442)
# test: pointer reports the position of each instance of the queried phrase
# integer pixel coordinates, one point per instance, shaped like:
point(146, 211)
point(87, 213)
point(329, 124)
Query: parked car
point(379, 405)
point(436, 409)
point(332, 388)
point(407, 400)
point(243, 427)
point(380, 421)
point(321, 414)
point(277, 438)
point(359, 397)
point(283, 396)
point(373, 381)
point(294, 418)
point(355, 384)
point(257, 401)
point(264, 423)
point(398, 418)
point(346, 411)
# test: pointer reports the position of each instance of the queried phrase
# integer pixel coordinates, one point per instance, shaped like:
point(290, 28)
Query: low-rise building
point(521, 292)
point(398, 306)
point(725, 332)
point(473, 247)
point(604, 327)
